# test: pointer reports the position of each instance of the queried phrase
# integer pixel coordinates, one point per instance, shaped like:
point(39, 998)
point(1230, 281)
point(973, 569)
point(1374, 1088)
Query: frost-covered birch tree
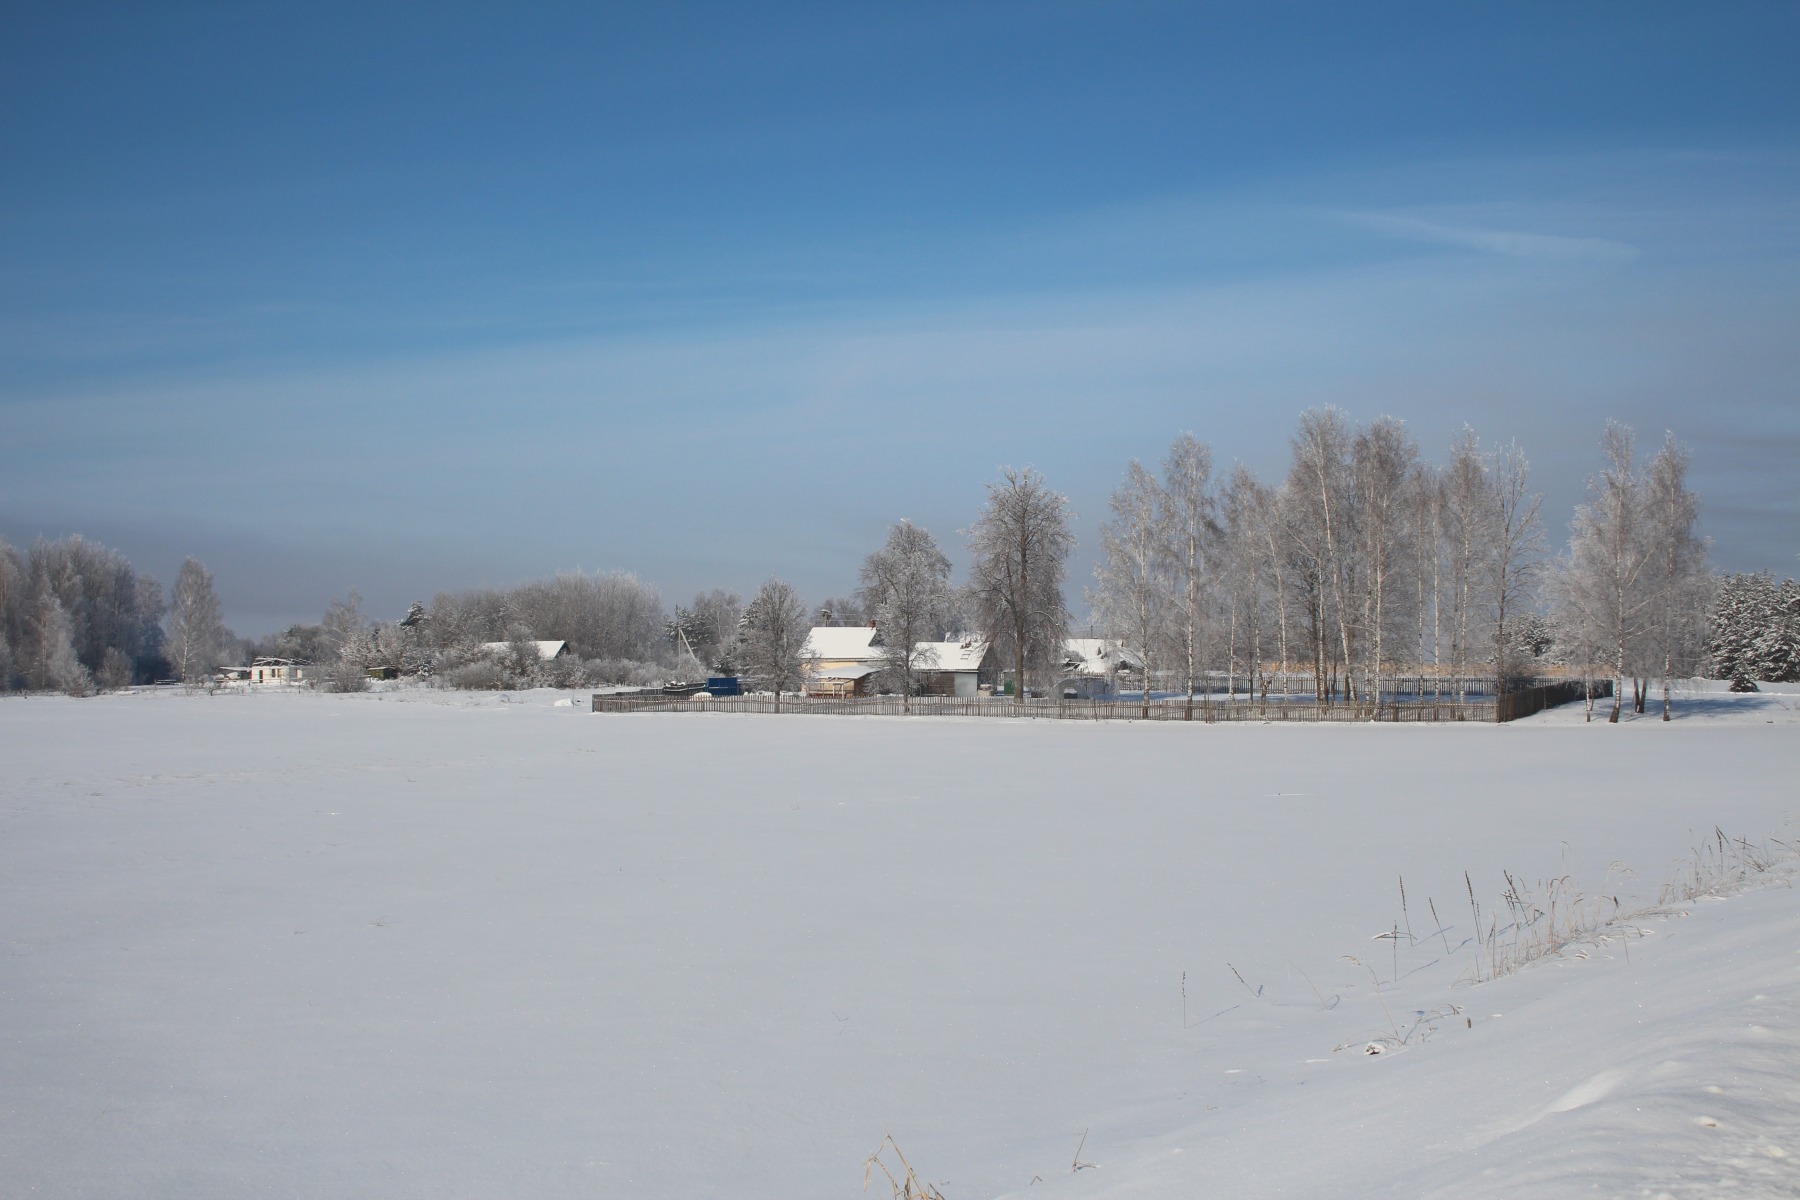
point(1466, 510)
point(1382, 459)
point(1187, 516)
point(1515, 547)
point(51, 662)
point(1021, 545)
point(1678, 561)
point(1319, 492)
point(1244, 563)
point(196, 631)
point(906, 588)
point(1609, 555)
point(1132, 591)
point(1426, 509)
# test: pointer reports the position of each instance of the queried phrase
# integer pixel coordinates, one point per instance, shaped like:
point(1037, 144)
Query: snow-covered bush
point(565, 672)
point(115, 670)
point(483, 674)
point(344, 675)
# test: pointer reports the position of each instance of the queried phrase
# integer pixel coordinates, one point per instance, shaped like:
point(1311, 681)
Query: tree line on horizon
point(1366, 571)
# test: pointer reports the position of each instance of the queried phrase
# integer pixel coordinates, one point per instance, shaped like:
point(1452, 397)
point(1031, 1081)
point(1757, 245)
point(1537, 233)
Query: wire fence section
point(1206, 709)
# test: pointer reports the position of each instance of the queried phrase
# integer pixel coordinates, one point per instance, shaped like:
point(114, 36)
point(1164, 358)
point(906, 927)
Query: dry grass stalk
point(906, 1185)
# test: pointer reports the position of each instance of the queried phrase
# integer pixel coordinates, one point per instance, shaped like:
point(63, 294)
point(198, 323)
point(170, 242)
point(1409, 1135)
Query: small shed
point(956, 668)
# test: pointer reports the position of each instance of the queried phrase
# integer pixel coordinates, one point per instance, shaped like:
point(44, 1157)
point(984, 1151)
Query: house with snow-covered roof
point(842, 660)
point(1091, 667)
point(847, 660)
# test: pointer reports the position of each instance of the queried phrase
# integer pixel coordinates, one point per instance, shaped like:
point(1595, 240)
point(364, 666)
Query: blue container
point(724, 685)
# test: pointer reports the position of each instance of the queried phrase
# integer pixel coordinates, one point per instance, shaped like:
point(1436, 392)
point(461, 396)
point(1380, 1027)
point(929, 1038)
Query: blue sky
point(408, 298)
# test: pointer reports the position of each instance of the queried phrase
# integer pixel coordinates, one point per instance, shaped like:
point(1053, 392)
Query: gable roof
point(965, 655)
point(545, 649)
point(849, 643)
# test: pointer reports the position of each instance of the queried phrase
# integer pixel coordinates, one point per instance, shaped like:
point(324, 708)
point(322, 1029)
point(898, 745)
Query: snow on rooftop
point(835, 642)
point(1098, 656)
point(545, 649)
point(965, 655)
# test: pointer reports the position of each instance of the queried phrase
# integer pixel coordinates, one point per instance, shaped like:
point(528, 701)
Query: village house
point(842, 660)
point(1091, 668)
point(961, 668)
point(263, 671)
point(847, 661)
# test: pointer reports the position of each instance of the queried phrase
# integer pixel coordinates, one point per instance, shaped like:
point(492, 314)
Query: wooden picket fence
point(1210, 710)
point(1526, 701)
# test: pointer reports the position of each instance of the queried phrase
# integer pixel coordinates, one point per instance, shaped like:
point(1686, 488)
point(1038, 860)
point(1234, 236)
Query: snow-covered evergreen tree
point(1753, 630)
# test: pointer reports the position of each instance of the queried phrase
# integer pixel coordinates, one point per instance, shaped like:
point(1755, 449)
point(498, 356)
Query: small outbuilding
point(958, 668)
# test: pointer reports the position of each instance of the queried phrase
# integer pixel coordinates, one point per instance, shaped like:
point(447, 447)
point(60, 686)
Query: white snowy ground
point(423, 944)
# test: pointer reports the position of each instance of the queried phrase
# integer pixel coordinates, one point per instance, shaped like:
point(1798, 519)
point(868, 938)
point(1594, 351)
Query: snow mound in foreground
point(1673, 1074)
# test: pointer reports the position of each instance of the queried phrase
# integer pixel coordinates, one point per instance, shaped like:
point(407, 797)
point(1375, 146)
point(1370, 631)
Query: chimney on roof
point(871, 622)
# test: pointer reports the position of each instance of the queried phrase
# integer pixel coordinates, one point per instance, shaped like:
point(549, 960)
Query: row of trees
point(1367, 568)
point(1365, 571)
point(1754, 631)
point(74, 616)
point(1634, 590)
point(615, 625)
point(1381, 571)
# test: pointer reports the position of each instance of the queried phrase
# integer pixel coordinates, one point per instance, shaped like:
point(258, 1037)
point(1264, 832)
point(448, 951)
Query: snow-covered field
point(424, 944)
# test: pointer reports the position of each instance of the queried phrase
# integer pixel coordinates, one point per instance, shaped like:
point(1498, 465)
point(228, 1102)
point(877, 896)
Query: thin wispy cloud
point(1511, 243)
